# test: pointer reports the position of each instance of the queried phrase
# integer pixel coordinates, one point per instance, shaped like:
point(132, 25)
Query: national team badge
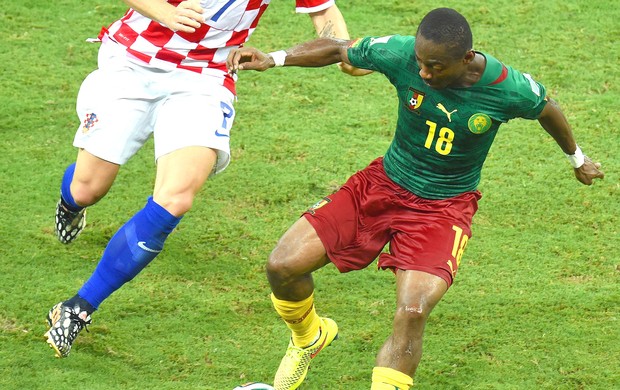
point(414, 99)
point(318, 205)
point(89, 122)
point(479, 123)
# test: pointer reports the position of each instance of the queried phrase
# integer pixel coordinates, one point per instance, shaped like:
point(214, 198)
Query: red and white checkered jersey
point(228, 24)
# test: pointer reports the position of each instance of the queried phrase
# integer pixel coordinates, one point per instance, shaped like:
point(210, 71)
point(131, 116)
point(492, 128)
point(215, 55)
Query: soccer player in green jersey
point(420, 197)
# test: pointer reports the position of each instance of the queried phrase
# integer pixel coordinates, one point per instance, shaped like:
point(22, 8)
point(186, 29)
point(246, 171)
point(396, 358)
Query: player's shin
point(129, 251)
point(300, 317)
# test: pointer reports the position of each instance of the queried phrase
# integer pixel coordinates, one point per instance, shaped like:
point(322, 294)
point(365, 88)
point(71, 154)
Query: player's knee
point(278, 267)
point(411, 315)
point(177, 204)
point(87, 194)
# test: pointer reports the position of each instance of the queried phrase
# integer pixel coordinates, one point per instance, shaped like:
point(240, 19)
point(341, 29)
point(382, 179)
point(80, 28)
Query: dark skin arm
point(316, 53)
point(552, 119)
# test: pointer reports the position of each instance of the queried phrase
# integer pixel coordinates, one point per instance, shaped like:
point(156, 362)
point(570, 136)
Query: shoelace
point(80, 322)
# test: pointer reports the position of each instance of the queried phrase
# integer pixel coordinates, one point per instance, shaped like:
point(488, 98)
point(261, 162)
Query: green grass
point(536, 302)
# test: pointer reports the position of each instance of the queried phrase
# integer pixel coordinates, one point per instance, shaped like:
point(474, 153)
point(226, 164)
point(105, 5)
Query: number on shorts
point(460, 242)
point(228, 112)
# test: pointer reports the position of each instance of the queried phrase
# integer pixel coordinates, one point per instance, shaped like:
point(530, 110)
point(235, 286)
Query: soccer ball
point(254, 386)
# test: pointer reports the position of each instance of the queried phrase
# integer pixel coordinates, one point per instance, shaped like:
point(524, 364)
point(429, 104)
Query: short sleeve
point(309, 6)
point(533, 96)
point(385, 54)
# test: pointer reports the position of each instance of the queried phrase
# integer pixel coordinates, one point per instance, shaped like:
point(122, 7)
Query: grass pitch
point(535, 304)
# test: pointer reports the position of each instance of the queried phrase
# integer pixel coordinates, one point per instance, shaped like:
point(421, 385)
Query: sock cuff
point(65, 189)
point(392, 377)
point(297, 312)
point(301, 318)
point(283, 306)
point(160, 216)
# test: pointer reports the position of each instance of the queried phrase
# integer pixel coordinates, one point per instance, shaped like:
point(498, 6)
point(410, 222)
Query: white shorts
point(122, 103)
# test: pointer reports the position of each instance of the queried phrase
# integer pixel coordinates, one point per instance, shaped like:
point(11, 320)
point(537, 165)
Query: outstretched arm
point(552, 119)
point(330, 23)
point(316, 53)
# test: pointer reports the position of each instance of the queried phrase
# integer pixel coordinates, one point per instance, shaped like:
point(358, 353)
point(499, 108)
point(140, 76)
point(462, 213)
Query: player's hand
point(248, 58)
point(352, 70)
point(589, 171)
point(186, 17)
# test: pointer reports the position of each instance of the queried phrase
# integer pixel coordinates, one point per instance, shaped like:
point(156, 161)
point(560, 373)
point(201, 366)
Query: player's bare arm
point(186, 17)
point(330, 23)
point(552, 119)
point(317, 53)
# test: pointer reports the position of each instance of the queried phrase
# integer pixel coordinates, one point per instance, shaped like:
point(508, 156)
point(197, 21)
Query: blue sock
point(131, 249)
point(65, 189)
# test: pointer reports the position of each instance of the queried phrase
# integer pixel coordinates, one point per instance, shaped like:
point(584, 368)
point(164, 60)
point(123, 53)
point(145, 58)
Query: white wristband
point(278, 57)
point(577, 159)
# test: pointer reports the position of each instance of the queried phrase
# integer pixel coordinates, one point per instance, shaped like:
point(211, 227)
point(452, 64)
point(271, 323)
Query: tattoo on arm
point(328, 30)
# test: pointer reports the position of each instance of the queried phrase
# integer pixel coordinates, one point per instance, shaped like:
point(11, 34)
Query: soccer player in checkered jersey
point(420, 197)
point(161, 71)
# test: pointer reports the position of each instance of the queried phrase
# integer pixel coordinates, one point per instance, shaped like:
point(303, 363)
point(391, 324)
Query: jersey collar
point(494, 72)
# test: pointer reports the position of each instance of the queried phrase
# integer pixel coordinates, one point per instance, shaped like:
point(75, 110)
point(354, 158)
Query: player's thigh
point(180, 175)
point(198, 113)
point(299, 251)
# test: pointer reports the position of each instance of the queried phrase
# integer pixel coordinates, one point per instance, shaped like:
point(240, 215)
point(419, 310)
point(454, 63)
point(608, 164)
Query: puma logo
point(445, 111)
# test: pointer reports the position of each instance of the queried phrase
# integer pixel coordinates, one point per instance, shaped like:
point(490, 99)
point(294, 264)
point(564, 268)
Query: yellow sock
point(384, 378)
point(300, 317)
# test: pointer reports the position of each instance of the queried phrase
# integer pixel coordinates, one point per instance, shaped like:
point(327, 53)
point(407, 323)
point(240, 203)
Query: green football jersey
point(443, 136)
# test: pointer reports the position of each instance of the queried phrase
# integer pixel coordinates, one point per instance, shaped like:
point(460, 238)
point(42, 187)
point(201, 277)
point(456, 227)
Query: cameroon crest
point(479, 123)
point(318, 205)
point(414, 99)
